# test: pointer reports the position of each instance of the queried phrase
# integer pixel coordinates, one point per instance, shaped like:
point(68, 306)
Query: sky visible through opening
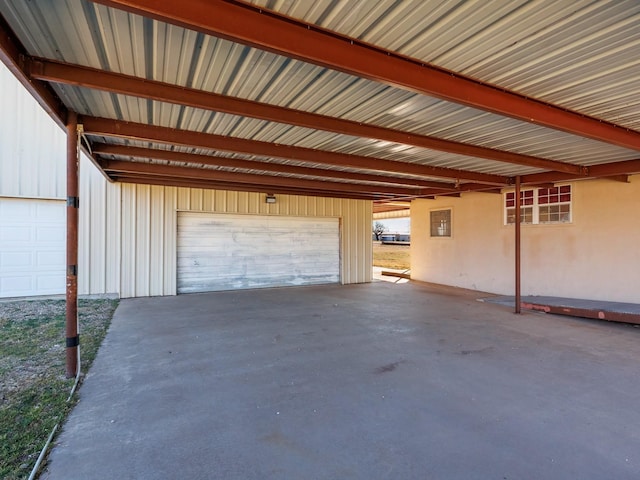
point(396, 225)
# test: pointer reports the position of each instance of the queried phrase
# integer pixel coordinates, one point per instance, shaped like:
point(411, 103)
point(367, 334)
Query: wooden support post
point(72, 339)
point(518, 223)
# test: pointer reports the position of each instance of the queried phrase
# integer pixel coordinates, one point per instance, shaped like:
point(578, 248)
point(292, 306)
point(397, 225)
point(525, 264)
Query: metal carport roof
point(384, 100)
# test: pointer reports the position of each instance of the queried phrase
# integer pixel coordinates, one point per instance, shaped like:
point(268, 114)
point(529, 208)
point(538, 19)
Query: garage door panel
point(19, 285)
point(14, 260)
point(244, 281)
point(225, 252)
point(53, 235)
point(46, 283)
point(15, 234)
point(51, 212)
point(32, 247)
point(49, 259)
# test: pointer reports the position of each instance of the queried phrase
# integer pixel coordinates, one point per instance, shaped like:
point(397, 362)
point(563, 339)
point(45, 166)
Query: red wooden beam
point(382, 208)
point(71, 291)
point(603, 170)
point(619, 178)
point(260, 28)
point(595, 313)
point(138, 152)
point(615, 168)
point(264, 181)
point(57, 72)
point(456, 191)
point(116, 128)
point(145, 179)
point(518, 248)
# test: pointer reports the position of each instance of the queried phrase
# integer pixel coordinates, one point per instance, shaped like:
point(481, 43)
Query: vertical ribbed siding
point(128, 232)
point(99, 232)
point(156, 242)
point(143, 260)
point(32, 146)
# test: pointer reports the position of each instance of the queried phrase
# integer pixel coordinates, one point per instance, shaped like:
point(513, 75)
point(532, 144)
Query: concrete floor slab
point(372, 381)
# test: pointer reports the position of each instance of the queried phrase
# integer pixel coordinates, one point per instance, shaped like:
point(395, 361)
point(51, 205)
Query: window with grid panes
point(541, 205)
point(526, 206)
point(554, 204)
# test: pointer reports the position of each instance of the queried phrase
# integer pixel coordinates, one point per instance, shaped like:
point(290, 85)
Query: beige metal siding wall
point(99, 232)
point(32, 146)
point(132, 249)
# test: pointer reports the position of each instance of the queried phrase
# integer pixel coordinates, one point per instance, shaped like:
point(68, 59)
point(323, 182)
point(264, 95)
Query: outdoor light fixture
point(271, 198)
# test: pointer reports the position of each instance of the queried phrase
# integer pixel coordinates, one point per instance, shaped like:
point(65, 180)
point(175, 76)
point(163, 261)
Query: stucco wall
point(128, 232)
point(597, 256)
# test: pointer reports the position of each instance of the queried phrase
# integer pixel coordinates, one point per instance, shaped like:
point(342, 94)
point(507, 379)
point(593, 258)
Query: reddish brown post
point(72, 245)
point(517, 226)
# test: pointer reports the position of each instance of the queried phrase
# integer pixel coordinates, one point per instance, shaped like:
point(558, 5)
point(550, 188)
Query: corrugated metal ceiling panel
point(449, 122)
point(580, 54)
point(543, 48)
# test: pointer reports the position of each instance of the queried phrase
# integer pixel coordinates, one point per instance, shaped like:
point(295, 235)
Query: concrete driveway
point(372, 381)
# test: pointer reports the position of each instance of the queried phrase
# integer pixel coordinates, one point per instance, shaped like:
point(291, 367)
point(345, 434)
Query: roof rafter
point(166, 180)
point(169, 155)
point(47, 70)
point(464, 188)
point(238, 187)
point(265, 181)
point(257, 27)
point(115, 128)
point(602, 170)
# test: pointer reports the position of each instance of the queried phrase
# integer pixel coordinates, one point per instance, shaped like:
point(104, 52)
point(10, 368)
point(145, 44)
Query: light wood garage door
point(32, 247)
point(226, 252)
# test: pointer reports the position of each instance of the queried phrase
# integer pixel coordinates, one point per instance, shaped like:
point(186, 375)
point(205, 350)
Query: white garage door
point(32, 247)
point(226, 252)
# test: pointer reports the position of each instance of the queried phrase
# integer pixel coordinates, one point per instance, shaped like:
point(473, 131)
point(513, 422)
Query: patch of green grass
point(33, 388)
point(26, 423)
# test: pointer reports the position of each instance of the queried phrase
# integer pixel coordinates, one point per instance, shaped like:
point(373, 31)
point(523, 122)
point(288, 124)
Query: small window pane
point(544, 215)
point(526, 215)
point(441, 223)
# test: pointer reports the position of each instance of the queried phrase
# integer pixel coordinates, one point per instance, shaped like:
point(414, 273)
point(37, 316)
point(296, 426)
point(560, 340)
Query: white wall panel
point(32, 146)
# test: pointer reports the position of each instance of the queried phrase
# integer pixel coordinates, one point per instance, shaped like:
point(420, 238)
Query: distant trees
point(378, 229)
